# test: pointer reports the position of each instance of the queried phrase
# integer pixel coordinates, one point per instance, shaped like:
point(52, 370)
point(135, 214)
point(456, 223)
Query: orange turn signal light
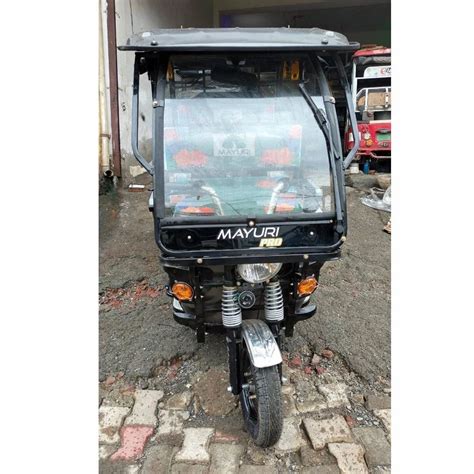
point(307, 286)
point(182, 291)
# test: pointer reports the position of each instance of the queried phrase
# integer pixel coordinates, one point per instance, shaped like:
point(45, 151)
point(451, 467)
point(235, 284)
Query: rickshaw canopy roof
point(239, 39)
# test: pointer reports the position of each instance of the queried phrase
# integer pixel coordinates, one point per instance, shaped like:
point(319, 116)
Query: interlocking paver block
point(227, 437)
point(290, 439)
point(386, 417)
point(335, 394)
point(225, 458)
point(253, 469)
point(133, 469)
point(330, 430)
point(378, 402)
point(110, 420)
point(105, 451)
point(328, 469)
point(377, 449)
point(143, 412)
point(157, 459)
point(315, 405)
point(133, 440)
point(196, 442)
point(316, 457)
point(181, 468)
point(350, 457)
point(171, 422)
point(308, 399)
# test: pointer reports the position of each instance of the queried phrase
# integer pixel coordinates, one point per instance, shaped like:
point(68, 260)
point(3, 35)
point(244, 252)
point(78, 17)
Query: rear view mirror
point(230, 75)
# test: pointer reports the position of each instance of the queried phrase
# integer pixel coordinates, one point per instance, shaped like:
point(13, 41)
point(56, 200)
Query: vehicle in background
point(371, 91)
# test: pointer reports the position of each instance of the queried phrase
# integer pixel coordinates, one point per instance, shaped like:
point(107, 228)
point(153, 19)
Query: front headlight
point(258, 272)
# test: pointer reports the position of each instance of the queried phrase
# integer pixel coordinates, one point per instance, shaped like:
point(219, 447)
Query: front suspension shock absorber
point(231, 312)
point(232, 321)
point(274, 310)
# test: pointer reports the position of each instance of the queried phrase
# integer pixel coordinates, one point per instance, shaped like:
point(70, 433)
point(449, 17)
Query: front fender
point(262, 347)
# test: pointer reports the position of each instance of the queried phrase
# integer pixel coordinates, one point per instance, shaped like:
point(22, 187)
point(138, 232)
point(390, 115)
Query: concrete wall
point(281, 5)
point(135, 16)
point(365, 24)
point(366, 21)
point(247, 5)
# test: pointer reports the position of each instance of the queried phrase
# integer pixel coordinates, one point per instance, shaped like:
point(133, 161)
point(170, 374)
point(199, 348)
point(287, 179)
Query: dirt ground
point(138, 336)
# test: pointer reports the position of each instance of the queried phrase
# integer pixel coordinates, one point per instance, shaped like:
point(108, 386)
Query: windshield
point(240, 139)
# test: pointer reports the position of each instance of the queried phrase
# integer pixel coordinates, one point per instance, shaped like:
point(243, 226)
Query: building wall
point(366, 21)
point(233, 5)
point(135, 16)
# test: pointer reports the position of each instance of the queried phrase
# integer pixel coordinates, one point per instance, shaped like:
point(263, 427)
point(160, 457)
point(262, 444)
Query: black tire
point(263, 413)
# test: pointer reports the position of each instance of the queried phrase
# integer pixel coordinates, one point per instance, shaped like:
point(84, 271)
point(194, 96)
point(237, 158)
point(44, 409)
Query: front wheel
point(261, 403)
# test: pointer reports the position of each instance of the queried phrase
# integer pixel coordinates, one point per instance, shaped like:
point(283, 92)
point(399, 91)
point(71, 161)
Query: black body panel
point(243, 237)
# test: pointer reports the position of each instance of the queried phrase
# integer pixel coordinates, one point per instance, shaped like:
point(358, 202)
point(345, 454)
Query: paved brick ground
point(161, 434)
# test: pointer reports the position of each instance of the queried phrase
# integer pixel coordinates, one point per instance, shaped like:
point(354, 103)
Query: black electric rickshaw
point(248, 197)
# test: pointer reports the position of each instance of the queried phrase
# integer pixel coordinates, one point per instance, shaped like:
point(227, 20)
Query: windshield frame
point(156, 66)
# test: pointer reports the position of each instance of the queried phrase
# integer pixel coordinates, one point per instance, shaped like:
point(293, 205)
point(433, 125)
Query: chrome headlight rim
point(243, 271)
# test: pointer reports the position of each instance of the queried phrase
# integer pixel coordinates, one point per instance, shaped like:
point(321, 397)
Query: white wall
point(362, 23)
point(233, 5)
point(279, 5)
point(135, 16)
